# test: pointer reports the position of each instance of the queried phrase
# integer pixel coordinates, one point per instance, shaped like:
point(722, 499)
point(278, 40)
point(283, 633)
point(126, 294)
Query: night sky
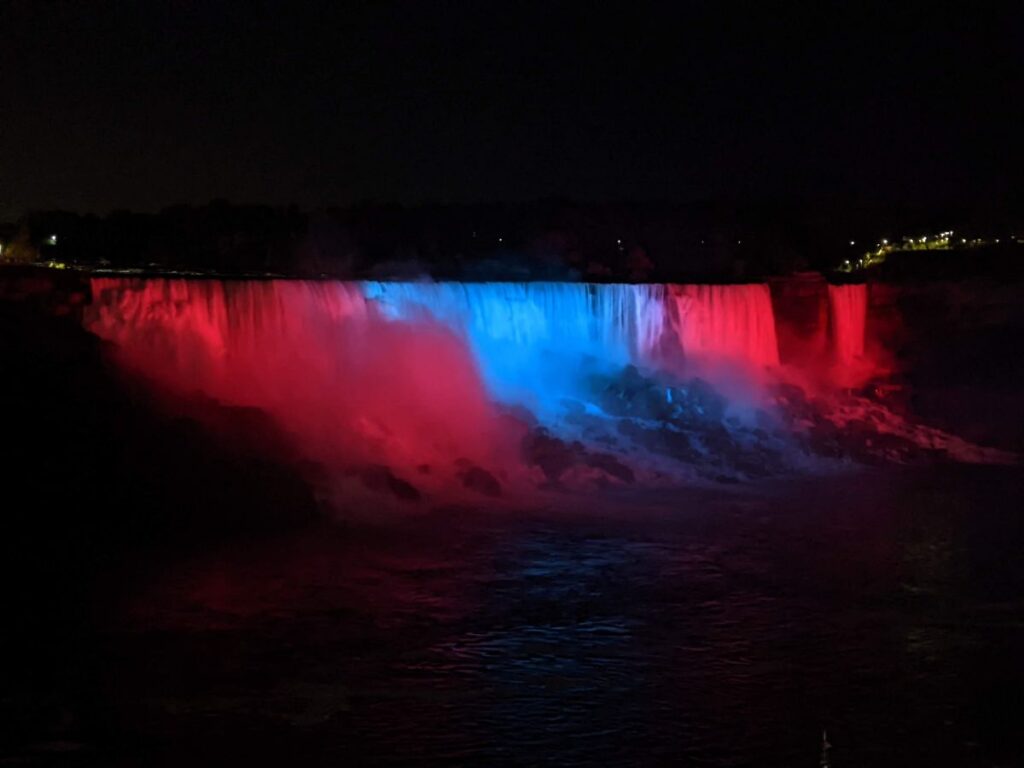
point(141, 105)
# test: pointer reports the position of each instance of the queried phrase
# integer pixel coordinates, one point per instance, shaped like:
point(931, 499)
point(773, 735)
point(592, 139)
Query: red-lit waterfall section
point(352, 386)
point(848, 308)
point(736, 322)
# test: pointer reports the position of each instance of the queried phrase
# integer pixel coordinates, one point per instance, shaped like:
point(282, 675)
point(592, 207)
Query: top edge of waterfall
point(140, 275)
point(197, 275)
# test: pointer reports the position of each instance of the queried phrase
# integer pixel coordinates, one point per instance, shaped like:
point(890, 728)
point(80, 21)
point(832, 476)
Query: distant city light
point(852, 242)
point(51, 240)
point(884, 241)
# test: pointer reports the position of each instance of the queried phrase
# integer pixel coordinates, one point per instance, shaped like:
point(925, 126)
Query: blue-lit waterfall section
point(535, 343)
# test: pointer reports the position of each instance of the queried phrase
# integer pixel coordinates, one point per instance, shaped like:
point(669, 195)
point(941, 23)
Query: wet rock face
point(381, 478)
point(689, 423)
point(655, 398)
point(862, 427)
point(47, 291)
point(608, 464)
point(953, 344)
point(478, 479)
point(552, 455)
point(677, 445)
point(556, 457)
point(686, 422)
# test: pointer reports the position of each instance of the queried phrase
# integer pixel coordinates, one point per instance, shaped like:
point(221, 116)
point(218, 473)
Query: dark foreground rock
point(687, 422)
point(862, 427)
point(480, 480)
point(102, 488)
point(556, 458)
point(383, 479)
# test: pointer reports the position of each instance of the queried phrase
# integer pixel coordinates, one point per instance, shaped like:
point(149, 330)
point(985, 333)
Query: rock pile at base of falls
point(639, 418)
point(560, 460)
point(635, 427)
point(633, 415)
point(861, 428)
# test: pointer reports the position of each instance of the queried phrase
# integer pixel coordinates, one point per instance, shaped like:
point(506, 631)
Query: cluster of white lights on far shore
point(939, 238)
point(940, 242)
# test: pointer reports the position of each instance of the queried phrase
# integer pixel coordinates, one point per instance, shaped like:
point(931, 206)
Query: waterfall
point(200, 325)
point(532, 343)
point(726, 322)
point(400, 371)
point(848, 306)
point(351, 385)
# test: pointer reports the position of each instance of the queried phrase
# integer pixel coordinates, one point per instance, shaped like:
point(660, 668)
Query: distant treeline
point(549, 239)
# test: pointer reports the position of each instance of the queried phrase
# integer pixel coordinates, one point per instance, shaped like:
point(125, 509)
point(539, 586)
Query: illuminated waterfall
point(352, 385)
point(730, 322)
point(848, 306)
point(532, 343)
point(404, 372)
point(533, 340)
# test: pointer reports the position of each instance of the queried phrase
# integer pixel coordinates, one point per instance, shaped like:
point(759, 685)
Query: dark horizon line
point(821, 202)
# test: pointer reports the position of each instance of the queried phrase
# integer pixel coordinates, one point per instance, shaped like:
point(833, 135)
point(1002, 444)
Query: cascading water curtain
point(848, 306)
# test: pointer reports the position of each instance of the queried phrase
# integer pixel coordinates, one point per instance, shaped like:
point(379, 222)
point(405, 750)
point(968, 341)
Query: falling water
point(350, 384)
point(734, 322)
point(848, 312)
point(533, 341)
point(411, 373)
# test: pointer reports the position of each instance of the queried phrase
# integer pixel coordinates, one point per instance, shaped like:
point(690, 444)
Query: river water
point(881, 611)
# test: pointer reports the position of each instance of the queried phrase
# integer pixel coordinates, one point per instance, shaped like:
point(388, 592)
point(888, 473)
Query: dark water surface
point(710, 628)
